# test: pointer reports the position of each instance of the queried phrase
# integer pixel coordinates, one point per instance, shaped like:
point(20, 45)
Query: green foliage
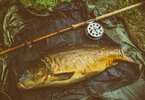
point(3, 73)
point(42, 4)
point(134, 20)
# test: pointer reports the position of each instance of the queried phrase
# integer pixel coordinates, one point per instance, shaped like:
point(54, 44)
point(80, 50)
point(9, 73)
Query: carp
point(69, 65)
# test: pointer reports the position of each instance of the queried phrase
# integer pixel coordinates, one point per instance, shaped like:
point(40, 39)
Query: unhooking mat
point(64, 15)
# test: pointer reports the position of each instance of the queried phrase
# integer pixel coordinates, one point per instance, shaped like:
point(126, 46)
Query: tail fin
point(127, 57)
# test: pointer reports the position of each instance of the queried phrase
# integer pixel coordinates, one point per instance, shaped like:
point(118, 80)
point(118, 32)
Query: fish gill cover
point(63, 16)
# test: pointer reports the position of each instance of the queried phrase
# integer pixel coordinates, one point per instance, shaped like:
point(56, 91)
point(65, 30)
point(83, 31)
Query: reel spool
point(94, 31)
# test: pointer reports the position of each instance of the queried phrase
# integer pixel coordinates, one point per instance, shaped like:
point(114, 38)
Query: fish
point(69, 65)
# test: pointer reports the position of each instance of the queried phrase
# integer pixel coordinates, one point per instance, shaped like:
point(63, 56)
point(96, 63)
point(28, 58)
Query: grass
point(3, 73)
point(42, 4)
point(134, 19)
point(3, 59)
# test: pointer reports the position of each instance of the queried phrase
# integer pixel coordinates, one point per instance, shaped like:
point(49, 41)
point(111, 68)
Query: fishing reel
point(94, 31)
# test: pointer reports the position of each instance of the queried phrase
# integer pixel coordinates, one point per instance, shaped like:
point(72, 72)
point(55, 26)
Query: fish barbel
point(69, 65)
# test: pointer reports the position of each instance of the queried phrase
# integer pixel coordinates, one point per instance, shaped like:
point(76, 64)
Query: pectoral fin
point(61, 76)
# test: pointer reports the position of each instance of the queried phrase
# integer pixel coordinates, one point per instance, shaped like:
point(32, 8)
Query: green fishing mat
point(24, 20)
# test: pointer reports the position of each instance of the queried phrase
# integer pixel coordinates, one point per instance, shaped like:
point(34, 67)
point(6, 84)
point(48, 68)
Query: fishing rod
point(75, 26)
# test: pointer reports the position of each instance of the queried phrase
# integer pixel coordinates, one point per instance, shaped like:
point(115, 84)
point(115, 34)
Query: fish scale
point(69, 65)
